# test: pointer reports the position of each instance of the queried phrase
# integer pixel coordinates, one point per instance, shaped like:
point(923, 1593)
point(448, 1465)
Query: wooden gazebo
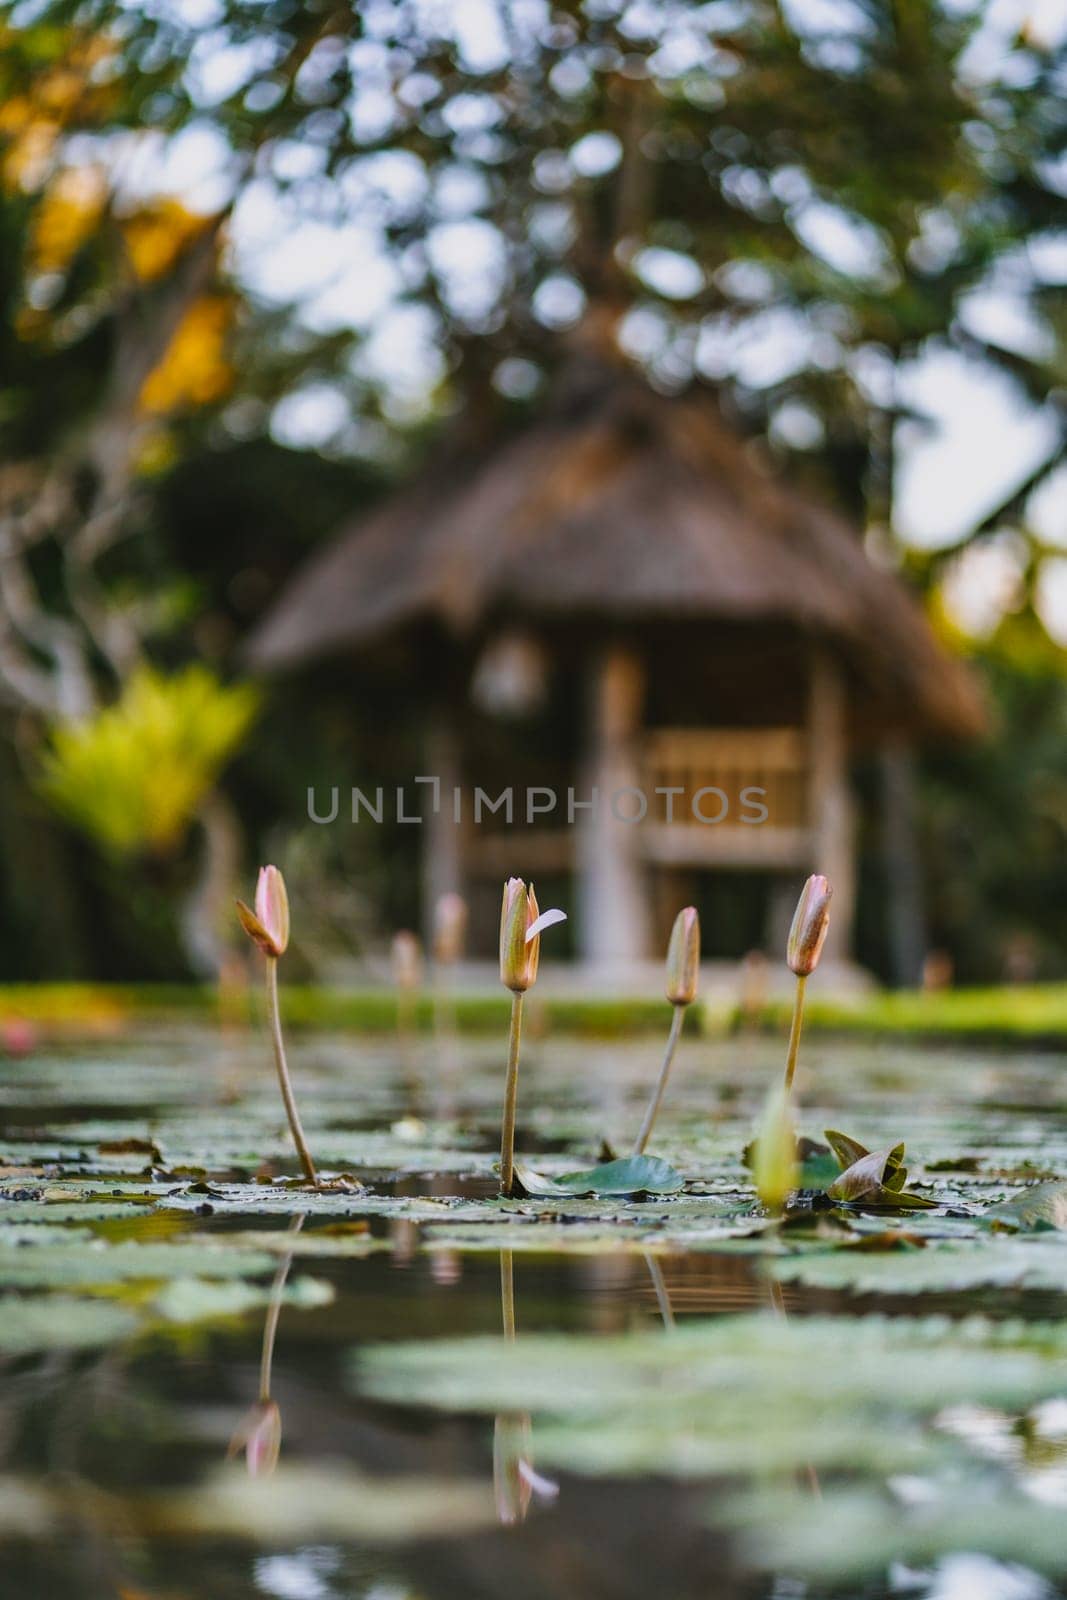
point(714, 630)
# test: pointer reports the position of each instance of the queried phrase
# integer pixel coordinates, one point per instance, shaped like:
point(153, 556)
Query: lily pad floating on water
point(1042, 1208)
point(627, 1175)
point(943, 1267)
point(201, 1300)
point(29, 1324)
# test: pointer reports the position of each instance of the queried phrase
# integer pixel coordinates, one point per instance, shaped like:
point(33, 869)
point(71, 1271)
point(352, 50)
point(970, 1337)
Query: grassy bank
point(1036, 1014)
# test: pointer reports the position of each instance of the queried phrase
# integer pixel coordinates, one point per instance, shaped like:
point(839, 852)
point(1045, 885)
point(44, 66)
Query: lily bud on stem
point(811, 922)
point(683, 965)
point(521, 925)
point(268, 927)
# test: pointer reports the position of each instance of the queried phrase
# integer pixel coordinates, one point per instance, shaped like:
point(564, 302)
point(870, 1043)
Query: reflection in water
point(515, 1482)
point(659, 1285)
point(259, 1434)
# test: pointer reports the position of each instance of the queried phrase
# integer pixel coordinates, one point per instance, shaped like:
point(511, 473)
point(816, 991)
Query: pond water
point(467, 1397)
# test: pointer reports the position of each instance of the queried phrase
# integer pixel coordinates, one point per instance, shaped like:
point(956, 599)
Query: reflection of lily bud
point(407, 960)
point(449, 928)
point(446, 1268)
point(259, 1435)
point(515, 1481)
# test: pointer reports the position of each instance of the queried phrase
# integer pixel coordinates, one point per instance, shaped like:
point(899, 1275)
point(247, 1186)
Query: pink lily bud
point(450, 928)
point(811, 922)
point(518, 962)
point(407, 960)
point(268, 924)
point(683, 958)
point(521, 925)
point(260, 1437)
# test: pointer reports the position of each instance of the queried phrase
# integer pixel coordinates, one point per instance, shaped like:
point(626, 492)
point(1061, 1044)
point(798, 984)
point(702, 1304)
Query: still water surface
point(110, 1457)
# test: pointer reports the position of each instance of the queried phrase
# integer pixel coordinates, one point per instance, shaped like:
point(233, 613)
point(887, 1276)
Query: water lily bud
point(521, 926)
point(810, 924)
point(683, 958)
point(449, 928)
point(518, 960)
point(407, 960)
point(774, 1157)
point(260, 1437)
point(268, 924)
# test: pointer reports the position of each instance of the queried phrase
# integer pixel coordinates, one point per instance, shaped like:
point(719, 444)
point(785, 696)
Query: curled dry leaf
point(875, 1182)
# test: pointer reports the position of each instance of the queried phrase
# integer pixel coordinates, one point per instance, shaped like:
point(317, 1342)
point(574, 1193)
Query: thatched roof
point(621, 505)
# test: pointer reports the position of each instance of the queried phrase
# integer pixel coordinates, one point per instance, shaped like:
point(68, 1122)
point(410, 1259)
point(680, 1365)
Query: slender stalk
point(274, 1307)
point(659, 1285)
point(283, 1072)
point(794, 1032)
point(507, 1293)
point(664, 1073)
point(511, 1095)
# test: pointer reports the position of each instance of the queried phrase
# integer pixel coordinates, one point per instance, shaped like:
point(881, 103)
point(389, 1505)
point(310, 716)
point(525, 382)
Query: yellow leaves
point(157, 234)
point(194, 371)
point(69, 87)
point(134, 775)
point(66, 217)
point(25, 154)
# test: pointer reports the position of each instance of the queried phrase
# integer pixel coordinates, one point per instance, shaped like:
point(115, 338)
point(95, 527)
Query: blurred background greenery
point(258, 259)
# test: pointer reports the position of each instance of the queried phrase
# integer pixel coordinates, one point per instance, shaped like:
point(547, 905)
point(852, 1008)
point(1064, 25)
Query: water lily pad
point(61, 1323)
point(69, 1264)
point(628, 1175)
point(1006, 1263)
point(1039, 1209)
point(301, 1503)
point(201, 1299)
point(734, 1394)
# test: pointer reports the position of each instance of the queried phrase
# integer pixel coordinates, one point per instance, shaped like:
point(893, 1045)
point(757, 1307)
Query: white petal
point(547, 919)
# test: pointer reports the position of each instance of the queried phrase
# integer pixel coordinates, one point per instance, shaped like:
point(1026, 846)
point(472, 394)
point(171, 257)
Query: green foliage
point(133, 775)
point(994, 821)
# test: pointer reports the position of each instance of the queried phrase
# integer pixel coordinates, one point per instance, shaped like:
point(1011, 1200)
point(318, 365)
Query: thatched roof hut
point(624, 524)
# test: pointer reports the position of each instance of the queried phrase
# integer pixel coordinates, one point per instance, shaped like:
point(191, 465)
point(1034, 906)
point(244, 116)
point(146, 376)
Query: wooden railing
point(743, 797)
point(749, 786)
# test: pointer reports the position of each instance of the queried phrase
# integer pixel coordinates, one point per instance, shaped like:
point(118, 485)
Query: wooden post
point(442, 844)
point(614, 914)
point(830, 797)
point(903, 867)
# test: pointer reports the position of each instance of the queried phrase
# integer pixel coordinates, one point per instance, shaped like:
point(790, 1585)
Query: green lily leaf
point(876, 1182)
point(628, 1175)
point(1042, 1208)
point(845, 1148)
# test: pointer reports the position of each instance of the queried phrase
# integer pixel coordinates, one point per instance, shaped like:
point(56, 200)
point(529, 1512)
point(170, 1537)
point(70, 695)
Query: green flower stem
point(274, 1307)
point(664, 1073)
point(794, 1034)
point(511, 1095)
point(283, 1072)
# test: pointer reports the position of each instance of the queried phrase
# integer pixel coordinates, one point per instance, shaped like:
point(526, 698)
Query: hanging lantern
point(511, 677)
